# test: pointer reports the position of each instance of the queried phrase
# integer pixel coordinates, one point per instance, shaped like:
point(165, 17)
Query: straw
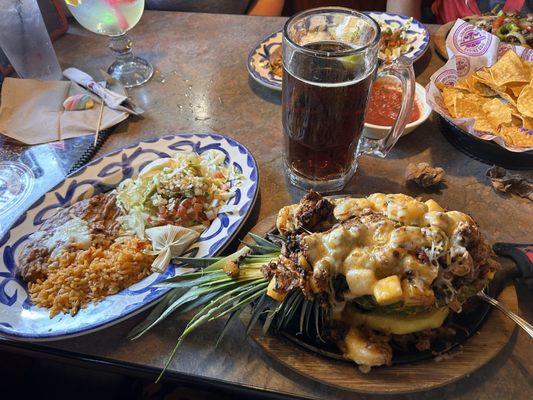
point(121, 19)
point(99, 123)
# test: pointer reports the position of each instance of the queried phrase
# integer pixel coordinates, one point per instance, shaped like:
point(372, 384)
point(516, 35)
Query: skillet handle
point(521, 254)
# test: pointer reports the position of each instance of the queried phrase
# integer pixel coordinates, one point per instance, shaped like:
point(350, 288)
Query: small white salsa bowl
point(380, 131)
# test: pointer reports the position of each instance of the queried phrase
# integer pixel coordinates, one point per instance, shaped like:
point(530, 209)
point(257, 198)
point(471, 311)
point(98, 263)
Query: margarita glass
point(114, 18)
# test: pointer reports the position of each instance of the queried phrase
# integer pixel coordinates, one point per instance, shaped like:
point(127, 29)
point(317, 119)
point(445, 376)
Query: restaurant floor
point(28, 378)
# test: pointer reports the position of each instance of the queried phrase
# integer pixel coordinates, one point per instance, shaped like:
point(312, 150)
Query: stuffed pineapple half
point(371, 274)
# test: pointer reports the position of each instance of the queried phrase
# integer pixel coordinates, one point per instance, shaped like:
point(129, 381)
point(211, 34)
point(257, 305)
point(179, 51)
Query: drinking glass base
point(321, 186)
point(131, 72)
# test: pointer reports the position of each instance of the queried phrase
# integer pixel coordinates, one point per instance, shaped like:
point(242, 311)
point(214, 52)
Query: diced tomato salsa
point(385, 102)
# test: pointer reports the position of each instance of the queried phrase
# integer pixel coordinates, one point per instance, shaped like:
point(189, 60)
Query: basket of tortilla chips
point(486, 88)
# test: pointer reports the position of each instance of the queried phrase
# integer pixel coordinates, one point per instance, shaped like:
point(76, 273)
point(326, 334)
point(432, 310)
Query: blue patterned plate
point(20, 319)
point(259, 58)
point(417, 34)
point(259, 61)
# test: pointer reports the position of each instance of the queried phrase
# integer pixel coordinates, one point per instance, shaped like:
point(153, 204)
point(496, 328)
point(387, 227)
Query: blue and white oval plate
point(20, 319)
point(259, 61)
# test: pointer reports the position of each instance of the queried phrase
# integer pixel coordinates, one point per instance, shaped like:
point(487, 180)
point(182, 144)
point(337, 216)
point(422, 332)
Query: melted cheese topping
point(285, 220)
point(383, 236)
point(74, 231)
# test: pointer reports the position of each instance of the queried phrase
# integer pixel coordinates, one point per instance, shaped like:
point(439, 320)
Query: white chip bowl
point(379, 131)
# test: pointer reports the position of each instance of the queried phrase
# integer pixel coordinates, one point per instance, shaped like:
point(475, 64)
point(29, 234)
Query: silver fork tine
point(522, 323)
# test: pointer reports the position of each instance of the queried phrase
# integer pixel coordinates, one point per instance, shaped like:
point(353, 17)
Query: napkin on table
point(112, 98)
point(31, 111)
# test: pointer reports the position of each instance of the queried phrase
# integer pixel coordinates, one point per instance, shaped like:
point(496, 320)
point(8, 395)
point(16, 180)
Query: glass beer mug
point(330, 59)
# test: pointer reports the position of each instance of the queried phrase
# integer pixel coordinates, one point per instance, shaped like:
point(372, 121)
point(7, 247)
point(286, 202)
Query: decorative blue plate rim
point(425, 39)
point(225, 234)
point(270, 80)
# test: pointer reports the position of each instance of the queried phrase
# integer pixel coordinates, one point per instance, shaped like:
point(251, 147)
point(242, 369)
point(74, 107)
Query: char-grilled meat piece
point(289, 275)
point(315, 213)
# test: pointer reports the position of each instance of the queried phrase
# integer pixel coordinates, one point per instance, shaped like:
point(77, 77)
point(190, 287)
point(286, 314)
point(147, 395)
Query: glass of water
point(25, 40)
point(114, 18)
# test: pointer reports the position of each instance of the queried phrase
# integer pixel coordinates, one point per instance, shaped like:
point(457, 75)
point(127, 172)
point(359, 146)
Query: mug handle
point(403, 70)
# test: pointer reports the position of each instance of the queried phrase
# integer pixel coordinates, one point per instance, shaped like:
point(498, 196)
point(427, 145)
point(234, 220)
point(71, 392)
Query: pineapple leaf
point(188, 296)
point(264, 303)
point(299, 297)
point(247, 297)
point(319, 317)
point(197, 262)
point(258, 249)
point(198, 302)
point(234, 316)
point(264, 242)
point(170, 297)
point(190, 281)
point(232, 257)
point(302, 316)
point(270, 317)
point(308, 314)
point(261, 257)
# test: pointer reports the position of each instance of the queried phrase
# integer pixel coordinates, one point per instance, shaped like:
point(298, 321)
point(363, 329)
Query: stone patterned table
point(201, 84)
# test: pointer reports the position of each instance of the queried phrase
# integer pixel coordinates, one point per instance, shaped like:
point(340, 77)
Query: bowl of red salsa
point(384, 105)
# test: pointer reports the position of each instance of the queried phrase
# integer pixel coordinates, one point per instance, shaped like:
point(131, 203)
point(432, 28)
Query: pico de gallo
point(394, 40)
point(186, 190)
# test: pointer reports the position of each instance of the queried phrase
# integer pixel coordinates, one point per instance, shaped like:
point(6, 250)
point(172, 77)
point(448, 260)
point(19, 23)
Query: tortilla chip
point(515, 136)
point(522, 120)
point(449, 96)
point(484, 75)
point(524, 103)
point(504, 95)
point(477, 85)
point(484, 125)
point(497, 112)
point(465, 83)
point(509, 68)
point(498, 98)
point(471, 106)
point(527, 122)
point(515, 89)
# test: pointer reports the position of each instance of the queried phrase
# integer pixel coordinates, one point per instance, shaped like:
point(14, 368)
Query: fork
point(522, 323)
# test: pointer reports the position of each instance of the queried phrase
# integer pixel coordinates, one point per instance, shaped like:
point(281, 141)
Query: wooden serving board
point(439, 38)
point(482, 347)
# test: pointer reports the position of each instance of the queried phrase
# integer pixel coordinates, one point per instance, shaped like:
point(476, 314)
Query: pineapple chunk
point(388, 290)
point(272, 292)
point(363, 350)
point(417, 294)
point(434, 206)
point(360, 281)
